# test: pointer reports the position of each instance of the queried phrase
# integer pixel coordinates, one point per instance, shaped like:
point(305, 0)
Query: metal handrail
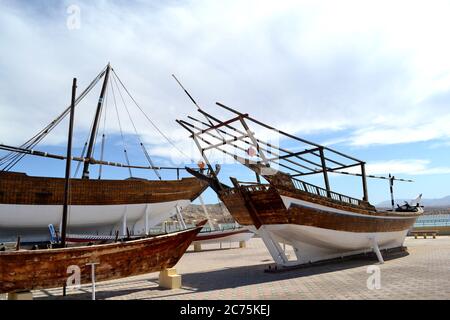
point(319, 191)
point(309, 188)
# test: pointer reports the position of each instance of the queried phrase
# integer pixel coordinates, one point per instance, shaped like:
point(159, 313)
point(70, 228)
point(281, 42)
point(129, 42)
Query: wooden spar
point(265, 125)
point(269, 145)
point(241, 160)
point(225, 127)
point(255, 143)
point(364, 182)
point(285, 133)
point(211, 170)
point(333, 170)
point(185, 91)
point(218, 125)
point(325, 174)
point(193, 101)
point(237, 158)
point(230, 135)
point(294, 154)
point(68, 163)
point(81, 159)
point(95, 125)
point(226, 142)
point(277, 156)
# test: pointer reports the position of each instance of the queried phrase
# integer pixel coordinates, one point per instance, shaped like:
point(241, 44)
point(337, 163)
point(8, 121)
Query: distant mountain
point(441, 202)
point(217, 212)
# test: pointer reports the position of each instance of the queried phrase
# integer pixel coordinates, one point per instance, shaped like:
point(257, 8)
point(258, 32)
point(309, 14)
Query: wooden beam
point(364, 182)
point(325, 174)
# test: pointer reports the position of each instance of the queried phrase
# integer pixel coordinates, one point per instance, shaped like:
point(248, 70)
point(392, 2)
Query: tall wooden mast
point(95, 125)
point(68, 162)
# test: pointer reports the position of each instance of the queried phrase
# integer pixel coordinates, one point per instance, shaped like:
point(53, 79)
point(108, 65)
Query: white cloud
point(372, 68)
point(404, 131)
point(411, 167)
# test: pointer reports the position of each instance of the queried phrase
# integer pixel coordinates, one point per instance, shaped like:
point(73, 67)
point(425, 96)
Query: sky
point(371, 79)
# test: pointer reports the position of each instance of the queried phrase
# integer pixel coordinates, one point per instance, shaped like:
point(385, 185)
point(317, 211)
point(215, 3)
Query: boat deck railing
point(305, 187)
point(319, 191)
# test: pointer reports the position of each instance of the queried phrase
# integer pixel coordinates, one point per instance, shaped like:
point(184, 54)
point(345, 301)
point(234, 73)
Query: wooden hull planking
point(29, 204)
point(318, 229)
point(18, 188)
point(270, 206)
point(39, 269)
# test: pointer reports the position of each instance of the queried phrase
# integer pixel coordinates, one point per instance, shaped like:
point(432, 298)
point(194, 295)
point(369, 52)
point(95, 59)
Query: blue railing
point(438, 220)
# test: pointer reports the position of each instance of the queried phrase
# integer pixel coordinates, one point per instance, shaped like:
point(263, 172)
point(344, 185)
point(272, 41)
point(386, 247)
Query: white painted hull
point(313, 244)
point(31, 221)
point(223, 236)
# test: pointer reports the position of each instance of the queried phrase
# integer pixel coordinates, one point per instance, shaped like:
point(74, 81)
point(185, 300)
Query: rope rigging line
point(151, 122)
point(81, 156)
point(11, 159)
point(121, 131)
point(135, 130)
point(83, 152)
point(14, 156)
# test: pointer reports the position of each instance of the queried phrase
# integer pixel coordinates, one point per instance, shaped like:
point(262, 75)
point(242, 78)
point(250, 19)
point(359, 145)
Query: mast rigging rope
point(151, 122)
point(135, 129)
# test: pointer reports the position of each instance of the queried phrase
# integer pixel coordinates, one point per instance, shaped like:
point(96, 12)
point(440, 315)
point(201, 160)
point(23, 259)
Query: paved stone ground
point(239, 274)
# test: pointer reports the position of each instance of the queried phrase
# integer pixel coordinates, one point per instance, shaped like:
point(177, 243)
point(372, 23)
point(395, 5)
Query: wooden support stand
point(24, 295)
point(242, 244)
point(169, 279)
point(197, 247)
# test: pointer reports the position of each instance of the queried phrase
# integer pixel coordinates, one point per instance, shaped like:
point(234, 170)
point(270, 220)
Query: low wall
point(442, 230)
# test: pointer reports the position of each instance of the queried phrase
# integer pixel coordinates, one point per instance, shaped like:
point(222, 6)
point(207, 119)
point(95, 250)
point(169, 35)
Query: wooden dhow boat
point(26, 270)
point(318, 223)
point(28, 204)
point(62, 266)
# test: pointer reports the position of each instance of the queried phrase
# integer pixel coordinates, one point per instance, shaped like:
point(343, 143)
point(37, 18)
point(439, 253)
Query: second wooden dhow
point(317, 222)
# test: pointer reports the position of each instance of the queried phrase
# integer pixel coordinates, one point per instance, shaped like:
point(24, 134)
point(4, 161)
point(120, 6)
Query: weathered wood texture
point(18, 188)
point(270, 209)
point(336, 221)
point(39, 269)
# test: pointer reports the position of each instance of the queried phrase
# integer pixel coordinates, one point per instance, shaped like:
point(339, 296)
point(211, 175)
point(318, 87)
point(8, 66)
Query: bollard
point(197, 247)
point(23, 295)
point(169, 279)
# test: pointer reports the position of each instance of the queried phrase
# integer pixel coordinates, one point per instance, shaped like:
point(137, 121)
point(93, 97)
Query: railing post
point(364, 182)
point(325, 173)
